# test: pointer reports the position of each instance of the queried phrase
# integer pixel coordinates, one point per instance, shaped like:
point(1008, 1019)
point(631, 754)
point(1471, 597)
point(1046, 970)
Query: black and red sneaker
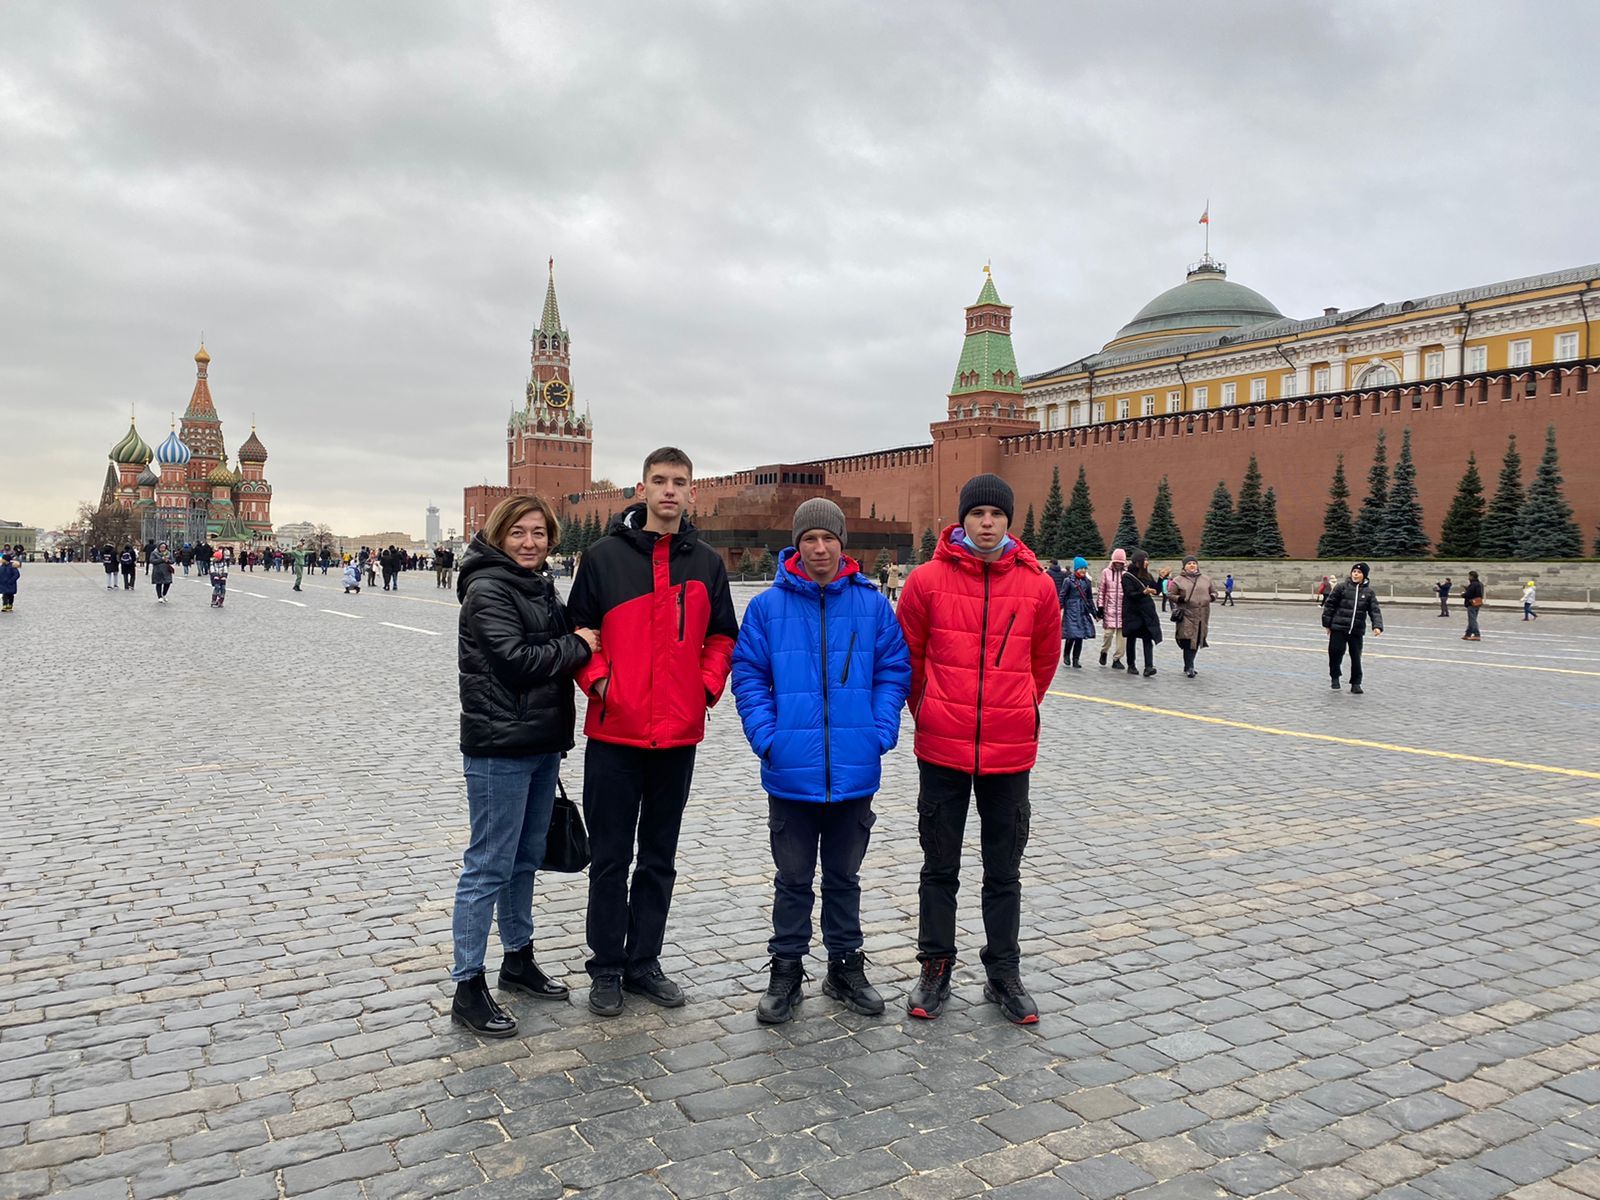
point(1013, 1000)
point(933, 989)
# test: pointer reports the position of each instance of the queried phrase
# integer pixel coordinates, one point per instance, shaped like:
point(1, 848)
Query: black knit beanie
point(1366, 571)
point(990, 490)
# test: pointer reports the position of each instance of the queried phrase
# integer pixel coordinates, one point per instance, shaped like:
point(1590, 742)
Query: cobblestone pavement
point(1268, 964)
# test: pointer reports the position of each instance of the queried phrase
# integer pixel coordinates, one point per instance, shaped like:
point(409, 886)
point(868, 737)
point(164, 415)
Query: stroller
point(219, 580)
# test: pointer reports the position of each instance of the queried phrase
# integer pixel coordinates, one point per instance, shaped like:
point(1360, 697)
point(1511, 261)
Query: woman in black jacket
point(518, 653)
point(1472, 601)
point(1140, 621)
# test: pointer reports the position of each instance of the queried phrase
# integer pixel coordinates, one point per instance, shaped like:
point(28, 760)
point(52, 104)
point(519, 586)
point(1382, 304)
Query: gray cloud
point(766, 218)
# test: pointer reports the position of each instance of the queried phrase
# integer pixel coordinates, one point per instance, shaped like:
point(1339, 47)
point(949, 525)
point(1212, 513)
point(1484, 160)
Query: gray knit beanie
point(819, 513)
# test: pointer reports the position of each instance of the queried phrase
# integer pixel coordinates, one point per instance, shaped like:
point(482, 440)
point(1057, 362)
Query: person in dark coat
point(1351, 604)
point(161, 571)
point(108, 560)
point(1443, 589)
point(1472, 601)
point(129, 560)
point(518, 653)
point(1191, 594)
point(1077, 612)
point(1141, 623)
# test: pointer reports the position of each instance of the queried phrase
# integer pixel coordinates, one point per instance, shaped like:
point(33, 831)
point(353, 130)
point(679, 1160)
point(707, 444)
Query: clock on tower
point(557, 394)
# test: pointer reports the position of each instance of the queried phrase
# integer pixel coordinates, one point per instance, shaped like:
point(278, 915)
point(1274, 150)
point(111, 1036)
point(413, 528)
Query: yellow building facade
point(1211, 343)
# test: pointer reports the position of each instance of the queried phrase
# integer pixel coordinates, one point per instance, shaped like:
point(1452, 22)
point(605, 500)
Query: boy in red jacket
point(659, 597)
point(983, 626)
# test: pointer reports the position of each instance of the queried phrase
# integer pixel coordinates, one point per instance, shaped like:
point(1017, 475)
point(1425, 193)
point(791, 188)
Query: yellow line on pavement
point(1369, 653)
point(1363, 743)
point(1589, 821)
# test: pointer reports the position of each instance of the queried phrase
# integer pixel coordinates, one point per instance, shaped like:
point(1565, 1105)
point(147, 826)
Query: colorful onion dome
point(220, 475)
point(172, 452)
point(236, 476)
point(201, 356)
point(147, 478)
point(132, 448)
point(252, 450)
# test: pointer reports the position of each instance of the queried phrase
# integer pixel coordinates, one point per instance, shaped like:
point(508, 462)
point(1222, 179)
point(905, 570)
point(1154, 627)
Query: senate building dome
point(1205, 302)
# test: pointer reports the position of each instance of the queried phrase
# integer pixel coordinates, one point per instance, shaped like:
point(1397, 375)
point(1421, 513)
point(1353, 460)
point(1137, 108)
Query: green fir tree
point(1338, 538)
point(1497, 536)
point(1463, 524)
point(1030, 535)
point(930, 543)
point(1369, 524)
point(1401, 535)
point(1079, 533)
point(1127, 527)
point(1545, 528)
point(1050, 519)
point(1217, 538)
point(1268, 537)
point(1162, 537)
point(1247, 511)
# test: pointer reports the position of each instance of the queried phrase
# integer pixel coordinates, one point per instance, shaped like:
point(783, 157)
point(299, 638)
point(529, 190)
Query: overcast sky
point(766, 218)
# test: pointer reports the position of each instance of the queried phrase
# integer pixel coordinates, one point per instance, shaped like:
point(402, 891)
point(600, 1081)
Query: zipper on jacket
point(845, 678)
point(1354, 609)
point(1004, 639)
point(827, 737)
point(683, 599)
point(983, 654)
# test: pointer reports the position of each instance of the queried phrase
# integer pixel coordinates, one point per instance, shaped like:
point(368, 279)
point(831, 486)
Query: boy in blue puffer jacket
point(820, 673)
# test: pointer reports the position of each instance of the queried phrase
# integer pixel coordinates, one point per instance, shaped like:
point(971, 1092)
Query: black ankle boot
point(519, 973)
point(784, 993)
point(475, 1008)
point(932, 990)
point(847, 983)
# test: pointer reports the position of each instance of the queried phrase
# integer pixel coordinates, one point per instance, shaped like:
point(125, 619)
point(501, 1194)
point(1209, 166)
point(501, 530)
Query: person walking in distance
point(1530, 596)
point(219, 579)
point(1110, 597)
point(1141, 624)
point(108, 560)
point(983, 626)
point(517, 653)
point(129, 561)
point(10, 574)
point(1077, 613)
point(1443, 588)
point(1227, 591)
point(659, 597)
point(1351, 604)
point(1191, 594)
point(297, 562)
point(1472, 601)
point(161, 571)
point(820, 672)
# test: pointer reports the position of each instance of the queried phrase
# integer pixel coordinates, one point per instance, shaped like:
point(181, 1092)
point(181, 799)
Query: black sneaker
point(1013, 1000)
point(784, 993)
point(1336, 685)
point(1133, 668)
point(1355, 689)
point(847, 983)
point(605, 995)
point(1116, 663)
point(1102, 658)
point(519, 973)
point(1149, 671)
point(475, 1008)
point(654, 985)
point(933, 989)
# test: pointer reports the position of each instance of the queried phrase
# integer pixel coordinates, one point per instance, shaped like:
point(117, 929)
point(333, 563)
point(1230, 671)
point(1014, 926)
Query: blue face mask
point(960, 538)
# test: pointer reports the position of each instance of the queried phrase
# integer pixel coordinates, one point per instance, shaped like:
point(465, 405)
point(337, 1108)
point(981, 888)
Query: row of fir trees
point(1067, 528)
point(1532, 523)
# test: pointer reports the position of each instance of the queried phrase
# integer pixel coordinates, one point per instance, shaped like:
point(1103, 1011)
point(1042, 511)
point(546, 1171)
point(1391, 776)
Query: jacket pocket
point(1004, 638)
point(848, 654)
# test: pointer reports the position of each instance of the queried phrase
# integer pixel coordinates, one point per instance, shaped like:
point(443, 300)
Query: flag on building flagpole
point(1205, 217)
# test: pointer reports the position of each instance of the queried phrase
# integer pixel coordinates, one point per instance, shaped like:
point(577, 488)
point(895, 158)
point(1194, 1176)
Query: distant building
point(432, 534)
point(295, 532)
point(14, 533)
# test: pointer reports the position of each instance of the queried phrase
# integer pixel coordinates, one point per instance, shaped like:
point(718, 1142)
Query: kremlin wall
point(1205, 376)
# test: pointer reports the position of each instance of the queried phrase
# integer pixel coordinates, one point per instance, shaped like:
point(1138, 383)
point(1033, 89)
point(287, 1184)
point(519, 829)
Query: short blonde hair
point(511, 510)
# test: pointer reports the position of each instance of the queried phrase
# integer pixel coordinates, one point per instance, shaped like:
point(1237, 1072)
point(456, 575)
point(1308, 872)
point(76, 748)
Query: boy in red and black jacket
point(659, 597)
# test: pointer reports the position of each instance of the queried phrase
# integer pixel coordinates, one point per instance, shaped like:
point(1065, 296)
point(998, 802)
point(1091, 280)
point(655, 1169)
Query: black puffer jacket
point(517, 655)
point(1350, 605)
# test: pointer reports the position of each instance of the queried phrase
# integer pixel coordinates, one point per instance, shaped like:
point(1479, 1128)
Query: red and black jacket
point(667, 628)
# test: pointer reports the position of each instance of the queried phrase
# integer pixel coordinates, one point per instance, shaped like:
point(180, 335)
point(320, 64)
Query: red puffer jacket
point(667, 625)
point(985, 639)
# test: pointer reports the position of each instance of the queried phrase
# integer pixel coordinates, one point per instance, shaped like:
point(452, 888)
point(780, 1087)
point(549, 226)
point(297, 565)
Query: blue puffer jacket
point(819, 676)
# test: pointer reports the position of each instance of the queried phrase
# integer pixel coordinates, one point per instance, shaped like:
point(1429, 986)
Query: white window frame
point(1122, 408)
point(1519, 353)
point(1258, 390)
point(1569, 341)
point(1202, 397)
point(1433, 364)
point(1230, 394)
point(1148, 404)
point(1174, 402)
point(1099, 411)
point(1289, 385)
point(1322, 379)
point(1477, 360)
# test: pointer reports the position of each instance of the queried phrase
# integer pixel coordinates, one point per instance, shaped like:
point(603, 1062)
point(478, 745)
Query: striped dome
point(132, 448)
point(147, 477)
point(172, 452)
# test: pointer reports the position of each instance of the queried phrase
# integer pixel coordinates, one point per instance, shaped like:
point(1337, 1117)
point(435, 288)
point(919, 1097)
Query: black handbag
point(566, 845)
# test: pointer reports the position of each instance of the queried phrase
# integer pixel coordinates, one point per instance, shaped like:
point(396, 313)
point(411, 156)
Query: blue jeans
point(508, 804)
point(841, 831)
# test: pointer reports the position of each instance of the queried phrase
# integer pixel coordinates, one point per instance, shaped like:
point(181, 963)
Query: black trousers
point(1338, 642)
point(942, 800)
point(629, 792)
point(1189, 651)
point(841, 831)
point(1149, 644)
point(1072, 650)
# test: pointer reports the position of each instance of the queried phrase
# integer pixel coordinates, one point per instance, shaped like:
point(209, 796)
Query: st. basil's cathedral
point(184, 491)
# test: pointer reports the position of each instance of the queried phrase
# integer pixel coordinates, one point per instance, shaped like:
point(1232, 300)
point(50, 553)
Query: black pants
point(162, 589)
point(799, 828)
point(1338, 641)
point(1072, 651)
point(628, 791)
point(127, 577)
point(1227, 599)
point(1134, 642)
point(8, 598)
point(1189, 651)
point(942, 800)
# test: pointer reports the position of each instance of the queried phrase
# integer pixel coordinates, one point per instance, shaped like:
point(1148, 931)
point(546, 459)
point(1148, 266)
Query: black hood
point(629, 526)
point(484, 558)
